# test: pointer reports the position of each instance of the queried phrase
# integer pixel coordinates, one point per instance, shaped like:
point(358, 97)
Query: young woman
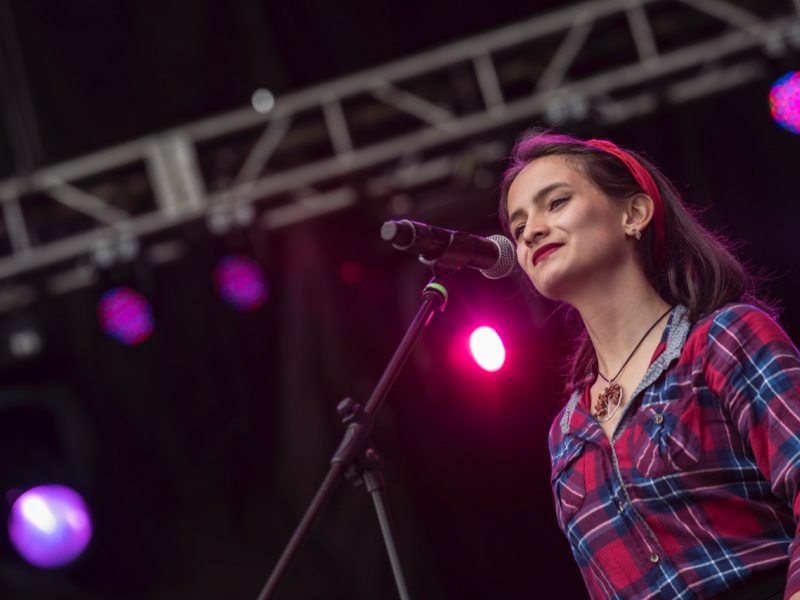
point(676, 460)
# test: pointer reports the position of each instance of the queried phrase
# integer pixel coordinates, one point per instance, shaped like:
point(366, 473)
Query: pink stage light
point(784, 102)
point(50, 526)
point(487, 348)
point(241, 282)
point(126, 316)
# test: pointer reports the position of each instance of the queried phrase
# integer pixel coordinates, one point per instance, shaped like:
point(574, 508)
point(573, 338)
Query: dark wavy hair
point(699, 269)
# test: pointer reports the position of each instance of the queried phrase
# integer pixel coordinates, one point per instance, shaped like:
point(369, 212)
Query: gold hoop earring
point(636, 232)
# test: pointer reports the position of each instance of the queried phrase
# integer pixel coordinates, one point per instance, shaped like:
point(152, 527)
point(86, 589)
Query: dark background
point(199, 449)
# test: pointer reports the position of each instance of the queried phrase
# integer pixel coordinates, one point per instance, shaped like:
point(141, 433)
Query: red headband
point(645, 180)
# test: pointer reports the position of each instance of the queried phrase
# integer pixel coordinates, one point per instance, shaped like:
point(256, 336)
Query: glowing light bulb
point(263, 101)
point(50, 526)
point(487, 348)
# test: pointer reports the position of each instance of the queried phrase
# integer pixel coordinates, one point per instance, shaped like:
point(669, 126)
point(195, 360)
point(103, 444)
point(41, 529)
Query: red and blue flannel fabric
point(698, 493)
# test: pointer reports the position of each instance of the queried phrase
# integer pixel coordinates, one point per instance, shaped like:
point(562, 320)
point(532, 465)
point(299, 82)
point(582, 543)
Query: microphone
point(494, 256)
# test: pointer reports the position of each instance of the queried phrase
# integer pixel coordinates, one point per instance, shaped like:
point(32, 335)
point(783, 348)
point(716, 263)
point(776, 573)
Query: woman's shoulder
point(732, 311)
point(734, 315)
point(737, 324)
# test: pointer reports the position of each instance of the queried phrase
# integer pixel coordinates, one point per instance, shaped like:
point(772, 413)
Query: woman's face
point(569, 235)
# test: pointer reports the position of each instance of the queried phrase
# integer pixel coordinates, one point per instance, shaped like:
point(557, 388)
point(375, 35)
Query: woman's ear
point(638, 213)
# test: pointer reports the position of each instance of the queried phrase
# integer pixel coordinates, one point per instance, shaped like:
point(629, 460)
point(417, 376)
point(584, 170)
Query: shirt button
point(659, 418)
point(621, 507)
point(654, 557)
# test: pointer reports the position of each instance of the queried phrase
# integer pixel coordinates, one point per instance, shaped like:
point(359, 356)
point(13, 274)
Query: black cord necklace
point(611, 397)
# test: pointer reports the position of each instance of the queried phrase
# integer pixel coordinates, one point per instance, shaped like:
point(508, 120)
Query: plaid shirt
point(699, 491)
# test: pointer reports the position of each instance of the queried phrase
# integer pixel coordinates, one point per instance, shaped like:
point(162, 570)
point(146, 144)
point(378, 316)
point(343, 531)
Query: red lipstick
point(545, 250)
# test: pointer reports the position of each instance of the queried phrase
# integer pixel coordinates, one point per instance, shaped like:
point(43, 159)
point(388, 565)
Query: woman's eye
point(556, 202)
point(518, 231)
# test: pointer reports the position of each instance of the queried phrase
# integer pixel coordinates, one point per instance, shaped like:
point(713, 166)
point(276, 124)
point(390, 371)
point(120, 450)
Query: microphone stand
point(356, 458)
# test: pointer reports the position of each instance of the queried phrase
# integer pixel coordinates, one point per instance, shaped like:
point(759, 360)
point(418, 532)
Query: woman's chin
point(547, 284)
point(551, 292)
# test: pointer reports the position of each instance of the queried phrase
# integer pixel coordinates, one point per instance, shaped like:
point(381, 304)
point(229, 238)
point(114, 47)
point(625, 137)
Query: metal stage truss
point(381, 131)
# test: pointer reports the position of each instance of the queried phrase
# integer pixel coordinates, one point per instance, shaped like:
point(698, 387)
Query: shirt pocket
point(666, 439)
point(568, 483)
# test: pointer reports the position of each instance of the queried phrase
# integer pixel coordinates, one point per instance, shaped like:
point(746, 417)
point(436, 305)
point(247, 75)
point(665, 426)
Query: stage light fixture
point(487, 348)
point(126, 315)
point(50, 526)
point(241, 282)
point(263, 101)
point(784, 102)
point(25, 343)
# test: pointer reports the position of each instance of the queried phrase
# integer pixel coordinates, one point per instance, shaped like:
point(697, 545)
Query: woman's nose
point(533, 232)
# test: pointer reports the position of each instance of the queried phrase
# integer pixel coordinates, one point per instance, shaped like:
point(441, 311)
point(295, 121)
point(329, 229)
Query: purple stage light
point(50, 526)
point(126, 316)
point(784, 102)
point(241, 282)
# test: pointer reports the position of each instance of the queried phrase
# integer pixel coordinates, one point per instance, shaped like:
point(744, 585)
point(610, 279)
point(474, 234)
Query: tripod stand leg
point(434, 297)
point(376, 486)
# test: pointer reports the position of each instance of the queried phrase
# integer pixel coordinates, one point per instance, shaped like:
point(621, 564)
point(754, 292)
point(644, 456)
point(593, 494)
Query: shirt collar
point(578, 417)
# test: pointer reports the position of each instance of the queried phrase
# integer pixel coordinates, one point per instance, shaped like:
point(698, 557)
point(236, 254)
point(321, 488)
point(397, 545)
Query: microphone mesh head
point(507, 261)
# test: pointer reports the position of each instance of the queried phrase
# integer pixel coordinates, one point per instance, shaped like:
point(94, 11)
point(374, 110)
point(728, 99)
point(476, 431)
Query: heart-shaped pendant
point(609, 399)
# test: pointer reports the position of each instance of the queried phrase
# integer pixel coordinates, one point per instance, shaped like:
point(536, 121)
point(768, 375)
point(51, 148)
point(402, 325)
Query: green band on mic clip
point(438, 286)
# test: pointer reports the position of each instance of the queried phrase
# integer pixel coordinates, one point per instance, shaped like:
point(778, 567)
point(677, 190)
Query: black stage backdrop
point(199, 449)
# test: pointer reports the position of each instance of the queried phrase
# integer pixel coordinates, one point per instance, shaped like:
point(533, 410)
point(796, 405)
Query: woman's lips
point(544, 251)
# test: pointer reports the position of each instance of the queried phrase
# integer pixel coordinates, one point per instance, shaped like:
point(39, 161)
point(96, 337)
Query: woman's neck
point(618, 315)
